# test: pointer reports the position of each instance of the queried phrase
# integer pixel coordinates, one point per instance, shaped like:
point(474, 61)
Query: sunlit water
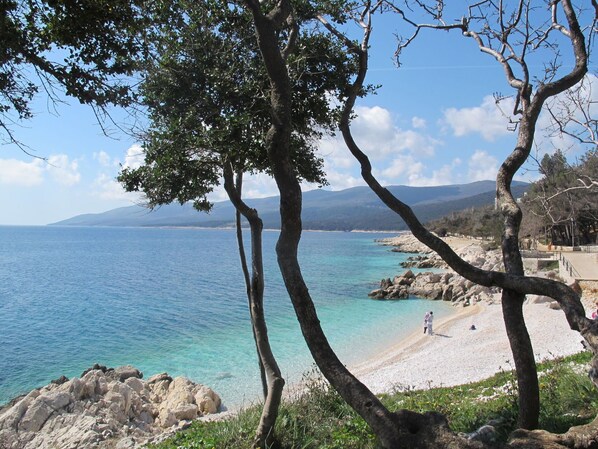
point(174, 300)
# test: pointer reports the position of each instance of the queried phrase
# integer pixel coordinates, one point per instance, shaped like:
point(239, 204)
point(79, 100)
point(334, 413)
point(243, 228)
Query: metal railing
point(568, 267)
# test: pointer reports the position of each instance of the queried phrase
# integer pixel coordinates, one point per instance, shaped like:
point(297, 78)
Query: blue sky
point(433, 122)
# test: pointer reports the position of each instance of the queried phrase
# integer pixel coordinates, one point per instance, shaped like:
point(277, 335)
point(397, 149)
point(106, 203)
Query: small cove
point(173, 300)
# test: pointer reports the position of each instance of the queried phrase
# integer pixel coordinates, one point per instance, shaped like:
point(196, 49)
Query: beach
point(456, 355)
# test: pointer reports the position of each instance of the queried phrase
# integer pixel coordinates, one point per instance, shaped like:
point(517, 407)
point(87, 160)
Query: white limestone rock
point(103, 408)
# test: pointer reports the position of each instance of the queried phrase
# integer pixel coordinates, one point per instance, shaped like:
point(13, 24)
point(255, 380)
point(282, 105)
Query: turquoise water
point(174, 300)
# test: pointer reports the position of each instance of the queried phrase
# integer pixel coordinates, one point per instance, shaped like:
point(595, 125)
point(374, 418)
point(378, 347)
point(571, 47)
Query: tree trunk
point(245, 270)
point(265, 431)
point(269, 369)
point(523, 355)
point(512, 301)
point(403, 429)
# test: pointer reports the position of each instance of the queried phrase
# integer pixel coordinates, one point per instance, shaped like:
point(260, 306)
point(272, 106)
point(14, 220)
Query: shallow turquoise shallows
point(174, 300)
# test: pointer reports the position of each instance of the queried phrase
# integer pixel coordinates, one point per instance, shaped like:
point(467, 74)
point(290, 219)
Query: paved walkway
point(580, 265)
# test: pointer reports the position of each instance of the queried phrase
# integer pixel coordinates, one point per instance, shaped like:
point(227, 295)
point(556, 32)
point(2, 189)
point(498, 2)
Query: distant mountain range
point(357, 208)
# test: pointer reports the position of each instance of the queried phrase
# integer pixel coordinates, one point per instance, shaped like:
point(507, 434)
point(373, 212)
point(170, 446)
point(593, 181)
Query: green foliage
point(560, 199)
point(87, 48)
point(209, 103)
point(483, 222)
point(320, 419)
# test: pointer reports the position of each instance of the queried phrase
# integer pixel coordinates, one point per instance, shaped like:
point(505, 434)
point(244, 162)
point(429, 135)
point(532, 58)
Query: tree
point(564, 200)
point(509, 45)
point(385, 424)
point(404, 428)
point(208, 120)
point(86, 49)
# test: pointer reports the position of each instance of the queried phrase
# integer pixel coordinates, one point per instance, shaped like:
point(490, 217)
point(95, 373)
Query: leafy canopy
point(207, 96)
point(87, 48)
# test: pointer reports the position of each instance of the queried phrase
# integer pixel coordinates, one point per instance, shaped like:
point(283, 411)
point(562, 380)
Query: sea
point(173, 300)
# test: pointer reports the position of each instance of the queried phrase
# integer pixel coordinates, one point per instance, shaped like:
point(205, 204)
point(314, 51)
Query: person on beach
point(429, 323)
point(426, 318)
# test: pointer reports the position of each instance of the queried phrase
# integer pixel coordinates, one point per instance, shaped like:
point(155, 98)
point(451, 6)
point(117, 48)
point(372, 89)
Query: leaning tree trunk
point(404, 429)
point(512, 301)
point(245, 269)
point(269, 369)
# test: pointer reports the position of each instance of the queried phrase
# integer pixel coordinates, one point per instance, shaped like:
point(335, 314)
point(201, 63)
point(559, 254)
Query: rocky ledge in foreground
point(103, 408)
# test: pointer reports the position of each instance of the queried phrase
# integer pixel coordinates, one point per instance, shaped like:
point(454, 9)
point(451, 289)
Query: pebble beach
point(457, 355)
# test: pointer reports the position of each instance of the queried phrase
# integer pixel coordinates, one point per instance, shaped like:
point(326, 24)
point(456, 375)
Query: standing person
point(426, 318)
point(429, 322)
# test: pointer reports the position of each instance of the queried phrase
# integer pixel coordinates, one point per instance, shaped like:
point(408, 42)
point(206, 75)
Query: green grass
point(319, 419)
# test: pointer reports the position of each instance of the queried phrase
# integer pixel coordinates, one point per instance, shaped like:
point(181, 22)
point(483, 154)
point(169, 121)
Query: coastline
point(456, 355)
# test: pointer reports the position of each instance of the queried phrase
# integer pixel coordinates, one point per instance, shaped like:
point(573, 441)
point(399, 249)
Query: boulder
point(158, 378)
point(100, 410)
point(122, 373)
point(10, 417)
point(35, 417)
point(207, 400)
point(135, 384)
point(186, 412)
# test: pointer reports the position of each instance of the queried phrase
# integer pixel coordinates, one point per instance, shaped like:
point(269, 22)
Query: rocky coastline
point(104, 408)
point(446, 285)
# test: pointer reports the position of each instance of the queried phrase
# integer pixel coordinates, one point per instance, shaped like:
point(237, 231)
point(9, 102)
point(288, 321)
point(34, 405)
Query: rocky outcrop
point(437, 286)
point(103, 408)
point(424, 262)
point(405, 243)
point(447, 285)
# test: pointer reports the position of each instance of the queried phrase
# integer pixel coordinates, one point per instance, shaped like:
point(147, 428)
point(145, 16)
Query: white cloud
point(107, 188)
point(397, 150)
point(335, 153)
point(374, 130)
point(418, 123)
point(339, 180)
point(134, 157)
point(397, 168)
point(19, 173)
point(62, 170)
point(28, 174)
point(415, 173)
point(259, 185)
point(103, 158)
point(443, 176)
point(482, 166)
point(488, 119)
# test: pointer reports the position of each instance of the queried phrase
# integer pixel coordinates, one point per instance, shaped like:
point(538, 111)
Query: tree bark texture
point(268, 366)
point(245, 269)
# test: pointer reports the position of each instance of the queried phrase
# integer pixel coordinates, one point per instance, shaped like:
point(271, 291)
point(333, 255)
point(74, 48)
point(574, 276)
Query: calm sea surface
point(174, 300)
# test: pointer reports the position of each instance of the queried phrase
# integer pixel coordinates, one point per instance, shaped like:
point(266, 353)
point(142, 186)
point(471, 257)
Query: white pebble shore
point(456, 355)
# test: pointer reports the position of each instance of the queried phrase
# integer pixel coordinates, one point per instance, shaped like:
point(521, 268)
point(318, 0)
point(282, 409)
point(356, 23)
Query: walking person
point(426, 318)
point(429, 323)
